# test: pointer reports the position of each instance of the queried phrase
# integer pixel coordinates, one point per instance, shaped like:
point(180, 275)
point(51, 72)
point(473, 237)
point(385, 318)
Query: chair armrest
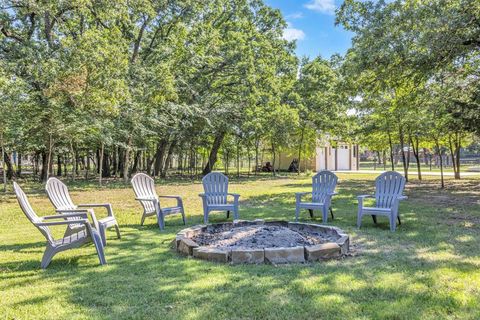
point(235, 195)
point(302, 193)
point(94, 205)
point(75, 214)
point(170, 196)
point(79, 212)
point(64, 212)
point(147, 199)
point(402, 198)
point(202, 195)
point(65, 222)
point(299, 195)
point(333, 194)
point(365, 196)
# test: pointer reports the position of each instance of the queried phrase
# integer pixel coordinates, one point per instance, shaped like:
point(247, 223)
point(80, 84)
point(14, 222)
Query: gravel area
point(259, 237)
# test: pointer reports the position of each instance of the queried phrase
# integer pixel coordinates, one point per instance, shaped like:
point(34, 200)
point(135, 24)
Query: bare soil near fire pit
point(259, 237)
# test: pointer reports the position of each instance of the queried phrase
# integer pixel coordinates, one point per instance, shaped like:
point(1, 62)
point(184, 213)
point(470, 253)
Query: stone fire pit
point(257, 241)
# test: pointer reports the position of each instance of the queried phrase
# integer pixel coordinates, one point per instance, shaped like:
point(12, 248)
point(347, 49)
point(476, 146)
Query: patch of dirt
point(259, 237)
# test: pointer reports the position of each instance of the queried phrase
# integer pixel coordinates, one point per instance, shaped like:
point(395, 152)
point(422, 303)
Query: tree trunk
point(273, 160)
point(257, 145)
point(212, 158)
point(115, 162)
point(19, 165)
point(136, 161)
point(415, 146)
point(59, 165)
point(127, 161)
point(300, 149)
point(44, 170)
point(238, 158)
point(391, 151)
point(64, 165)
point(87, 168)
point(100, 164)
point(159, 157)
point(439, 152)
point(455, 146)
point(249, 159)
point(168, 158)
point(49, 157)
point(74, 161)
point(3, 164)
point(404, 158)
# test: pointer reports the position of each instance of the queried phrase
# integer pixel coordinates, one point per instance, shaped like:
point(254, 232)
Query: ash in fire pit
point(262, 242)
point(259, 237)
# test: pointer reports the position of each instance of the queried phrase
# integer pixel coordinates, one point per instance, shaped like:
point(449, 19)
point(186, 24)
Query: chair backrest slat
point(215, 186)
point(58, 194)
point(323, 183)
point(30, 213)
point(144, 187)
point(388, 186)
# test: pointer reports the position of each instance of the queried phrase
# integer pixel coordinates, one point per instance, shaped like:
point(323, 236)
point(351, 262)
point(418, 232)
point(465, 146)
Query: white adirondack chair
point(389, 188)
point(71, 240)
point(59, 196)
point(323, 189)
point(144, 187)
point(214, 198)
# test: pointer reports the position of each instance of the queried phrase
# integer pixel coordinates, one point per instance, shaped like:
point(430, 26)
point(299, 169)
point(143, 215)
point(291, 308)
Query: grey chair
point(323, 189)
point(144, 188)
point(214, 198)
point(59, 196)
point(389, 188)
point(82, 236)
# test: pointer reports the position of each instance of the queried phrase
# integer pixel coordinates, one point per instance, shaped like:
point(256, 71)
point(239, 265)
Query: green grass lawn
point(428, 269)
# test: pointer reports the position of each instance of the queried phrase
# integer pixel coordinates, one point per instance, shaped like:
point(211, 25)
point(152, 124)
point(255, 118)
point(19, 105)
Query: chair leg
point(143, 219)
point(161, 220)
point(97, 241)
point(228, 214)
point(103, 236)
point(235, 213)
point(374, 217)
point(393, 222)
point(331, 212)
point(183, 217)
point(297, 212)
point(311, 213)
point(117, 229)
point(359, 217)
point(205, 217)
point(324, 214)
point(47, 256)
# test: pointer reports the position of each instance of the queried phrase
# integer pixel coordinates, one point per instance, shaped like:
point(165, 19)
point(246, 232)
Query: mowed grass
point(428, 269)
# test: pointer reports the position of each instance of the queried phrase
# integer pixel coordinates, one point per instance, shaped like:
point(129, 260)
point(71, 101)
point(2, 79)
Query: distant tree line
point(126, 86)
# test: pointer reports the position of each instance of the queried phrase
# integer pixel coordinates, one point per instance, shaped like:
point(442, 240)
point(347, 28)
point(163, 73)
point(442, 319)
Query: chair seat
point(80, 236)
point(311, 204)
point(108, 221)
point(221, 207)
point(171, 210)
point(376, 210)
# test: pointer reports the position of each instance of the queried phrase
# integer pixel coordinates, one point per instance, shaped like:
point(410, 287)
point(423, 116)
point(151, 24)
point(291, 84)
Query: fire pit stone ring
point(259, 241)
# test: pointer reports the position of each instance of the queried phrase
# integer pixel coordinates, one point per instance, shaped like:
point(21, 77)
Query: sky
point(312, 24)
